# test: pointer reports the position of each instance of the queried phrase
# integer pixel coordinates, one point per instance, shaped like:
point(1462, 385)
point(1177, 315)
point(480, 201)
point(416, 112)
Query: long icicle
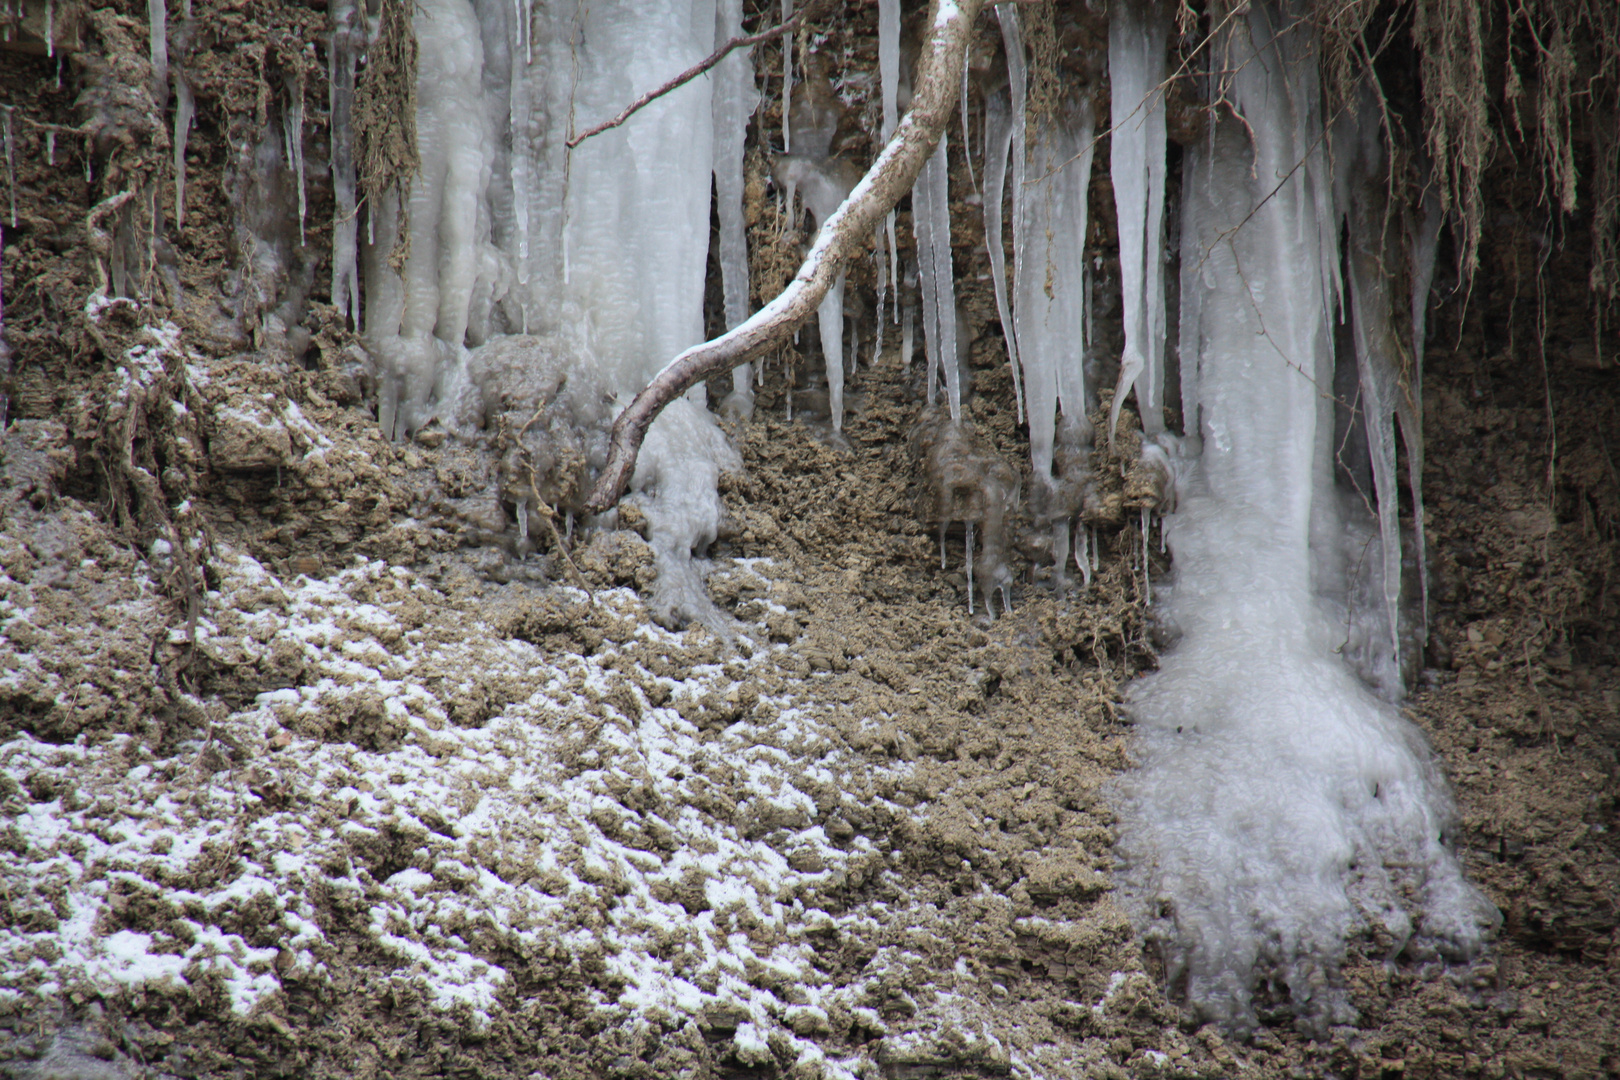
point(889, 82)
point(999, 134)
point(1137, 34)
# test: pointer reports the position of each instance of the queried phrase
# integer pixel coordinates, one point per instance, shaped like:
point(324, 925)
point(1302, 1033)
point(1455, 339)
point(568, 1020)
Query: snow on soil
point(586, 817)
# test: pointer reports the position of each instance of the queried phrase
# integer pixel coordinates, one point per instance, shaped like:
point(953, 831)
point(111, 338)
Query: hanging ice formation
point(347, 43)
point(1051, 174)
point(1138, 35)
point(734, 102)
point(1282, 806)
point(596, 254)
point(823, 181)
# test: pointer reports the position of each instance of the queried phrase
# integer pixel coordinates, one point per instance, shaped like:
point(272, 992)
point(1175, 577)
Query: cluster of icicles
point(1283, 807)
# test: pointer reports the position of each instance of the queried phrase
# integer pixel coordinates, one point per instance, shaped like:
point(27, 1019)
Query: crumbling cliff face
point(338, 741)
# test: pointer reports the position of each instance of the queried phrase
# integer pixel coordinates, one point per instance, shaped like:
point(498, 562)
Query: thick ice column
point(1281, 807)
point(637, 207)
point(1049, 273)
point(1138, 34)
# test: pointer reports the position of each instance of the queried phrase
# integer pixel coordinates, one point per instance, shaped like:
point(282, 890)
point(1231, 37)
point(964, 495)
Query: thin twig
point(691, 73)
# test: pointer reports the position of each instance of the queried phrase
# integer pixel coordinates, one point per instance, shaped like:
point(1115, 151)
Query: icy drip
point(889, 88)
point(734, 99)
point(348, 40)
point(1137, 36)
point(999, 136)
point(1281, 806)
point(157, 21)
point(931, 217)
point(293, 134)
point(11, 163)
point(830, 320)
point(1189, 346)
point(1373, 236)
point(1422, 249)
point(1049, 230)
point(787, 86)
point(185, 111)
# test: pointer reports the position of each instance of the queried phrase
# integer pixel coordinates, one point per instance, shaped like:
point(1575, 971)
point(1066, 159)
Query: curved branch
point(938, 82)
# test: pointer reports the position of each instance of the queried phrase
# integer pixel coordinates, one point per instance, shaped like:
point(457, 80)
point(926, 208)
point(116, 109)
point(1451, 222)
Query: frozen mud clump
point(965, 481)
point(548, 420)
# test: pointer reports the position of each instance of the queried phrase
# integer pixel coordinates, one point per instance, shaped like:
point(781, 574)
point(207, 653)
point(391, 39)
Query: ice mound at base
point(1281, 807)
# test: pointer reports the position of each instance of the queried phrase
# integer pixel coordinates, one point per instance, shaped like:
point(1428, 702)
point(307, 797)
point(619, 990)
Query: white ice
point(1281, 806)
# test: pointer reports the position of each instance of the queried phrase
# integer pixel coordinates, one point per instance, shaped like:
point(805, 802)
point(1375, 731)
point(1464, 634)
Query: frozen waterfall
point(598, 253)
point(1281, 806)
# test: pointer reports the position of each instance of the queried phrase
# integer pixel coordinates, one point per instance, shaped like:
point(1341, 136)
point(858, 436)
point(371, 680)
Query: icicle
point(157, 21)
point(882, 271)
point(734, 99)
point(970, 567)
point(908, 334)
point(185, 109)
point(523, 522)
point(930, 201)
point(942, 529)
point(1049, 273)
point(889, 84)
point(1082, 552)
point(831, 318)
point(787, 86)
point(293, 130)
point(50, 148)
point(1425, 246)
point(348, 37)
point(50, 28)
point(517, 112)
point(11, 161)
point(1137, 37)
point(1147, 548)
point(967, 138)
point(998, 137)
point(1192, 288)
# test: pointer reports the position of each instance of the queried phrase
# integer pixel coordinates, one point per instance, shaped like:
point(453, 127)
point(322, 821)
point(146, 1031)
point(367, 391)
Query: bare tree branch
point(693, 72)
point(938, 82)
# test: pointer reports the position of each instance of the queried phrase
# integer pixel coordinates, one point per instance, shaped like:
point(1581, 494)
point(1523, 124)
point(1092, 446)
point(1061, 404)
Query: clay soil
point(955, 836)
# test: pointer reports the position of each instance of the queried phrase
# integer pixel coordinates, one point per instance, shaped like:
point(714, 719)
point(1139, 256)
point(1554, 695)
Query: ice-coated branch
point(842, 235)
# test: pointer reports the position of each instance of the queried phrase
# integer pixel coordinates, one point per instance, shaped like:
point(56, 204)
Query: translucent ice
point(1138, 35)
point(1281, 806)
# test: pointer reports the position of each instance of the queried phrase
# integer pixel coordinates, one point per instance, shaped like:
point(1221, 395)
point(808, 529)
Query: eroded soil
point(305, 773)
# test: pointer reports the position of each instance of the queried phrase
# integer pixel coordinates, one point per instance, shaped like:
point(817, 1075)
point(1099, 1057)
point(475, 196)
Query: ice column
point(734, 99)
point(348, 39)
point(1281, 806)
point(1138, 35)
point(931, 220)
point(889, 82)
point(1048, 273)
point(1000, 118)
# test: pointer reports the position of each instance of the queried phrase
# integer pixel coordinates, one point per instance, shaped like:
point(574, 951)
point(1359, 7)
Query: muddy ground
point(305, 773)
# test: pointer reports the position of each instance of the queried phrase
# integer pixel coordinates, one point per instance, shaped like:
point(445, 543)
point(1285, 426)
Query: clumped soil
point(956, 838)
